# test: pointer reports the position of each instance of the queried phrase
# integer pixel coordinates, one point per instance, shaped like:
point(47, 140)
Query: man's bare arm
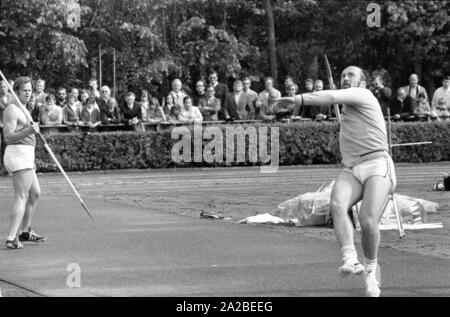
point(10, 117)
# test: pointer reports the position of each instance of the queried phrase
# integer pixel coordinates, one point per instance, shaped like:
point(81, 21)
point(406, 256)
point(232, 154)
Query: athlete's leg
point(30, 208)
point(22, 181)
point(347, 191)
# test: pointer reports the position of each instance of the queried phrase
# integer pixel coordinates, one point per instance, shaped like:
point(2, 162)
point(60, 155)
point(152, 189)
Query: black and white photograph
point(219, 156)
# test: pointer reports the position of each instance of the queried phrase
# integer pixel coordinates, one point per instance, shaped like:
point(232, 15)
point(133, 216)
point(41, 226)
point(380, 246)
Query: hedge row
point(299, 143)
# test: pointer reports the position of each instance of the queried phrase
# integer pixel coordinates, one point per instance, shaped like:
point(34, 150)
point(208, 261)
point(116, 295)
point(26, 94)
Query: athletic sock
point(349, 254)
point(371, 265)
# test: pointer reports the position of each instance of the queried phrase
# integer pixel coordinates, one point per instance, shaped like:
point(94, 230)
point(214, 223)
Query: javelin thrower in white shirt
point(368, 172)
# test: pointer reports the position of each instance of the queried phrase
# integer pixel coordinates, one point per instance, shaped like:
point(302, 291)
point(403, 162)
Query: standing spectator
point(237, 105)
point(145, 104)
point(268, 110)
point(111, 113)
point(93, 85)
point(381, 92)
point(263, 97)
point(40, 92)
point(288, 81)
point(90, 115)
point(51, 113)
point(72, 112)
point(131, 111)
point(413, 89)
point(190, 113)
point(287, 109)
point(309, 85)
point(33, 108)
point(84, 97)
point(4, 99)
point(155, 113)
point(209, 105)
point(105, 94)
point(168, 104)
point(177, 93)
point(253, 96)
point(442, 92)
point(220, 89)
point(61, 97)
point(76, 93)
point(199, 92)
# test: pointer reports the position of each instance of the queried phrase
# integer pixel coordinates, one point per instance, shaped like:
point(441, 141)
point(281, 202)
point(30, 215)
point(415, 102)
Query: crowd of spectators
point(212, 101)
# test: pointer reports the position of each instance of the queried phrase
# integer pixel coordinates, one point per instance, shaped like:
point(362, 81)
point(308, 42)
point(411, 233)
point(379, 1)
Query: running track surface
point(131, 251)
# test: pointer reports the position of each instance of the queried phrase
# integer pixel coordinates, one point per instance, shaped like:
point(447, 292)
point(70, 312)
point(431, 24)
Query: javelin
point(414, 143)
point(47, 147)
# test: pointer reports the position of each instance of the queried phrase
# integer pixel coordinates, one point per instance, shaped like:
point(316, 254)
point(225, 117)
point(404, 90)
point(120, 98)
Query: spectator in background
point(144, 104)
point(72, 112)
point(317, 113)
point(237, 105)
point(253, 96)
point(51, 113)
point(177, 93)
point(4, 99)
point(111, 113)
point(288, 81)
point(174, 114)
point(61, 100)
point(286, 108)
point(33, 108)
point(268, 111)
point(220, 89)
point(90, 115)
point(413, 89)
point(105, 94)
point(40, 92)
point(84, 96)
point(131, 111)
point(93, 86)
point(307, 111)
point(199, 92)
point(76, 93)
point(209, 105)
point(309, 85)
point(441, 112)
point(381, 92)
point(168, 104)
point(190, 113)
point(155, 113)
point(400, 107)
point(422, 108)
point(441, 92)
point(263, 97)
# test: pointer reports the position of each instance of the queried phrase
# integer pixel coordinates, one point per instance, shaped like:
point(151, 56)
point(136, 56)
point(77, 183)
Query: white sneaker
point(372, 284)
point(351, 268)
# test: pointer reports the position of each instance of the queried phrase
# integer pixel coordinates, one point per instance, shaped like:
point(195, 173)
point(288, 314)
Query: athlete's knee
point(368, 224)
point(34, 195)
point(337, 206)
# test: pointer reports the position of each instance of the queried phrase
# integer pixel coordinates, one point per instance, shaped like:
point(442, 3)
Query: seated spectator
point(309, 85)
point(51, 114)
point(237, 103)
point(263, 96)
point(90, 115)
point(131, 111)
point(199, 92)
point(111, 113)
point(441, 92)
point(209, 105)
point(155, 113)
point(33, 108)
point(177, 93)
point(401, 108)
point(253, 96)
point(307, 111)
point(422, 108)
point(174, 113)
point(72, 112)
point(190, 113)
point(287, 109)
point(168, 104)
point(105, 93)
point(442, 111)
point(381, 92)
point(40, 93)
point(268, 111)
point(288, 81)
point(61, 100)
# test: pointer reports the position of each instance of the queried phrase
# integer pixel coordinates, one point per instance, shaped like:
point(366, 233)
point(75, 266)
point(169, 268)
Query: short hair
point(130, 93)
point(176, 80)
point(447, 77)
point(94, 80)
point(154, 101)
point(111, 101)
point(144, 92)
point(421, 95)
point(186, 98)
point(309, 80)
point(90, 100)
point(294, 85)
point(237, 81)
point(62, 88)
point(40, 80)
point(50, 97)
point(71, 95)
point(318, 81)
point(21, 81)
point(400, 90)
point(246, 78)
point(212, 71)
point(104, 88)
point(269, 78)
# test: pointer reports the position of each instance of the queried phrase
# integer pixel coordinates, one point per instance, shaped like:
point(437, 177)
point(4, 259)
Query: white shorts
point(18, 157)
point(377, 166)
